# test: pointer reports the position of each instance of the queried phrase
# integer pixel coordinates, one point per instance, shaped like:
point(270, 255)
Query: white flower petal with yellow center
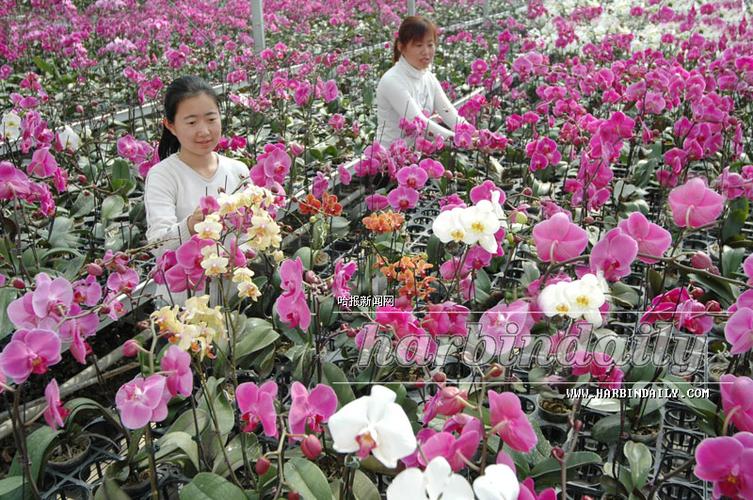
point(436, 481)
point(553, 299)
point(242, 275)
point(248, 289)
point(480, 223)
point(210, 228)
point(447, 226)
point(214, 265)
point(69, 139)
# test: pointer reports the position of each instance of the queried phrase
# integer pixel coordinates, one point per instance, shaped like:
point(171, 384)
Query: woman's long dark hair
point(180, 89)
point(413, 28)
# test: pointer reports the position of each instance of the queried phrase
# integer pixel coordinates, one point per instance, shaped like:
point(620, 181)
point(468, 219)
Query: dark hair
point(180, 89)
point(413, 28)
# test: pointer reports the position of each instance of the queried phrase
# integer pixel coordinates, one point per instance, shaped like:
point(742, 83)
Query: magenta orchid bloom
point(257, 406)
point(739, 330)
point(343, 273)
point(291, 306)
point(484, 192)
point(506, 326)
point(457, 451)
point(142, 400)
point(613, 255)
point(695, 205)
point(413, 177)
point(176, 363)
point(652, 239)
point(728, 463)
point(402, 198)
point(448, 401)
point(510, 422)
point(737, 397)
point(45, 307)
point(447, 318)
point(376, 202)
point(30, 351)
point(432, 167)
point(309, 411)
point(748, 269)
point(55, 413)
point(557, 239)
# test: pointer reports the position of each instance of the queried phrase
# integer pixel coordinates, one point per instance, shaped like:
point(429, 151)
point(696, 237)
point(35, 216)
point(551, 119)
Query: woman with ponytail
point(189, 167)
point(409, 90)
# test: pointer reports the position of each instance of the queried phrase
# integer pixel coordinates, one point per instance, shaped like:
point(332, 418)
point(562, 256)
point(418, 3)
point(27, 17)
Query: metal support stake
point(257, 23)
point(411, 7)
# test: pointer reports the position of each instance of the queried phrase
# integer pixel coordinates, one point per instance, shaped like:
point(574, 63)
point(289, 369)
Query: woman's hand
point(193, 219)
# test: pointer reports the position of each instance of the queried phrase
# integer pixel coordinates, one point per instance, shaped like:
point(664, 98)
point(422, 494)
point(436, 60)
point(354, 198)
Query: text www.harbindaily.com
point(634, 392)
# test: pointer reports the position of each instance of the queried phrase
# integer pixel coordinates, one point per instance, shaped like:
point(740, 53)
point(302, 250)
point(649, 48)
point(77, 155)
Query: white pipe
point(257, 23)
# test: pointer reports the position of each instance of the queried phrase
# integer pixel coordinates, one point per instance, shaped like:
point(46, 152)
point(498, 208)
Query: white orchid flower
point(553, 299)
point(69, 139)
point(480, 223)
point(373, 424)
point(436, 482)
point(447, 226)
point(498, 483)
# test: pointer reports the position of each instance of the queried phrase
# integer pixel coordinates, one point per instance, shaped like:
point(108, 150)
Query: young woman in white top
point(409, 88)
point(189, 167)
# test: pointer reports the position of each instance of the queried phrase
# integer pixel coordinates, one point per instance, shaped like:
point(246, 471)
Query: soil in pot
point(645, 434)
point(554, 410)
point(69, 455)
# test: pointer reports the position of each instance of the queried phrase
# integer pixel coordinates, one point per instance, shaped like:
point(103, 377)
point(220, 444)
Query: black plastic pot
point(74, 461)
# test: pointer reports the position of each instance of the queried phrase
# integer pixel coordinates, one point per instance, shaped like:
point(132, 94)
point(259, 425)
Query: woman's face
point(197, 124)
point(419, 53)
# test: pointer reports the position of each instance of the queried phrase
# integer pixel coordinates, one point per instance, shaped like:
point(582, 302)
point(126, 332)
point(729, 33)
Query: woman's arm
point(401, 101)
point(160, 202)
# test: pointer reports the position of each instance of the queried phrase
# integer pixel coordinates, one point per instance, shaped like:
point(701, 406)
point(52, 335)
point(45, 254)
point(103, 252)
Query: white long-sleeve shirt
point(171, 194)
point(405, 92)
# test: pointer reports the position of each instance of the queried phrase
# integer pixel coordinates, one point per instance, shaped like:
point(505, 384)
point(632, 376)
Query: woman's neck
point(206, 165)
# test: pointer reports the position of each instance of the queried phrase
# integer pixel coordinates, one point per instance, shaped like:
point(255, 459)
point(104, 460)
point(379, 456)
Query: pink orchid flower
point(176, 363)
point(55, 413)
point(727, 462)
point(402, 198)
point(557, 239)
point(291, 306)
point(257, 406)
point(309, 411)
point(457, 451)
point(652, 239)
point(142, 400)
point(30, 351)
point(413, 177)
point(510, 422)
point(737, 400)
point(613, 255)
point(695, 205)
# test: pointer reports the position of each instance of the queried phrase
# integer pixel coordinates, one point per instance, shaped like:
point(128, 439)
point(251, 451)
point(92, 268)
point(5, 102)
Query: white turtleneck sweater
point(172, 193)
point(405, 92)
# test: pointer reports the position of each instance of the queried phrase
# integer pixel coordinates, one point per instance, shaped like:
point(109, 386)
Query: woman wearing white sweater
point(189, 168)
point(409, 89)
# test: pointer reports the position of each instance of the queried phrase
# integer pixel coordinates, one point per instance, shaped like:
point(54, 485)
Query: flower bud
point(18, 283)
point(292, 495)
point(311, 447)
point(130, 348)
point(82, 179)
point(94, 269)
point(439, 377)
point(527, 192)
point(701, 260)
point(588, 219)
point(558, 454)
point(262, 466)
point(713, 306)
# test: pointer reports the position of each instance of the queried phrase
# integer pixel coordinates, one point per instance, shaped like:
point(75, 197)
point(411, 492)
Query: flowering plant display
point(555, 300)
